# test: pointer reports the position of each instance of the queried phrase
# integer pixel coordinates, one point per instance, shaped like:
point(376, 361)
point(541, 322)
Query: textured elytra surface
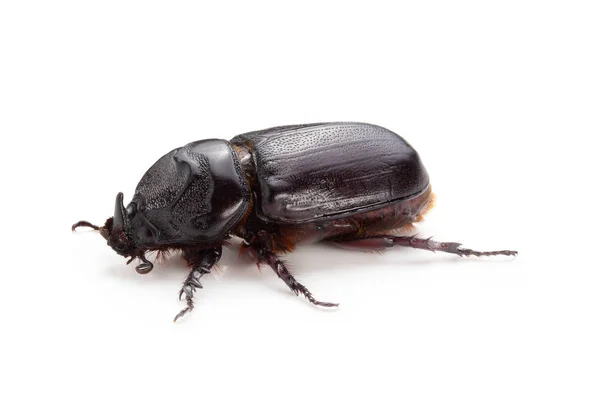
point(318, 171)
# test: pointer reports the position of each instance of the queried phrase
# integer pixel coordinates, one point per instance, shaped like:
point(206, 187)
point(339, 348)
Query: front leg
point(201, 262)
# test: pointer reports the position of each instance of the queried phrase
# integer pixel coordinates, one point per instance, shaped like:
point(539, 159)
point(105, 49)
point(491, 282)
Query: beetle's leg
point(201, 262)
point(282, 272)
point(381, 242)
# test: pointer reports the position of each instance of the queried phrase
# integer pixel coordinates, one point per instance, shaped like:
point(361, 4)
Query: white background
point(501, 99)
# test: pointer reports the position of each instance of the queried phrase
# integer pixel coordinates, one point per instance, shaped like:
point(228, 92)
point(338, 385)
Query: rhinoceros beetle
point(351, 184)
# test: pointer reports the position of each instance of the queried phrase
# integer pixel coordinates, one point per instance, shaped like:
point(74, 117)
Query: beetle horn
point(118, 219)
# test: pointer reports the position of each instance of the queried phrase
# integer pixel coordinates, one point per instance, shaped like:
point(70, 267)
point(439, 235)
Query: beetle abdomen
point(319, 171)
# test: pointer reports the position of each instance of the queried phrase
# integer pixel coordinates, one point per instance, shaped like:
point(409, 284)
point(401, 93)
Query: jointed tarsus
point(284, 274)
point(379, 242)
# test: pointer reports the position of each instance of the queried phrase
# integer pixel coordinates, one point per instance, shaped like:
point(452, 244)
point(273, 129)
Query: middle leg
point(268, 257)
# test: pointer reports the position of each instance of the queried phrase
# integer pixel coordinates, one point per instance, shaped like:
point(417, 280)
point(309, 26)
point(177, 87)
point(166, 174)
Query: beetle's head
point(118, 234)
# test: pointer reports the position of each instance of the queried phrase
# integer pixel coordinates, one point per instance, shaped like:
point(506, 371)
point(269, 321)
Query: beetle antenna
point(86, 224)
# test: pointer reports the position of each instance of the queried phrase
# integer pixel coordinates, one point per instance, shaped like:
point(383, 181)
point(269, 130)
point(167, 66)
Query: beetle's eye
point(119, 246)
point(130, 209)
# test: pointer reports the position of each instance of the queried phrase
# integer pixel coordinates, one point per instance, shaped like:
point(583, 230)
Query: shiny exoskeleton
point(351, 184)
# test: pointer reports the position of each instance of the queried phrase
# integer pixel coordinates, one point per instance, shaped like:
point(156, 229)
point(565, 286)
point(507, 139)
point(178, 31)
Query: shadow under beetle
point(351, 184)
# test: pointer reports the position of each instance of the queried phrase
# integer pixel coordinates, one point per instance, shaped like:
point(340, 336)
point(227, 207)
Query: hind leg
point(380, 242)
